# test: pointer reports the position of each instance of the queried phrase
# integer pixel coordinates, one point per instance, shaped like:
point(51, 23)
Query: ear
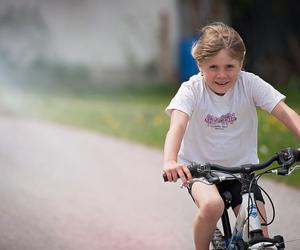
point(241, 64)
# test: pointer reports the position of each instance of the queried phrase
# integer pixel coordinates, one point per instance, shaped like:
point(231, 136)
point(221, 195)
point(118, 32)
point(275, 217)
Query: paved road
point(65, 188)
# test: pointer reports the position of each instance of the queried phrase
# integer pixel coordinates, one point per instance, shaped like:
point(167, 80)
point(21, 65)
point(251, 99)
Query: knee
point(212, 209)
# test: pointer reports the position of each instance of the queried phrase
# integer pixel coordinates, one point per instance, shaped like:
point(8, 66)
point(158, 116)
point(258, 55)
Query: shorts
point(234, 187)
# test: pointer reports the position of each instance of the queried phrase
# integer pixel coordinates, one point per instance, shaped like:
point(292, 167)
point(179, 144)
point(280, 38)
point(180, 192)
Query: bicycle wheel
point(218, 241)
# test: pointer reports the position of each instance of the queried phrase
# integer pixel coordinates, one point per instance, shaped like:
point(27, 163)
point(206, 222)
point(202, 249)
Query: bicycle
point(247, 233)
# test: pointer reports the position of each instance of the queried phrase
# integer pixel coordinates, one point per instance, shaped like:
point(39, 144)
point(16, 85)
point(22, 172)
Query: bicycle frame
point(247, 226)
point(240, 230)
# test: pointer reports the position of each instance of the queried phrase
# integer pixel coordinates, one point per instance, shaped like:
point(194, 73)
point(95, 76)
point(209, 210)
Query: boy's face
point(220, 72)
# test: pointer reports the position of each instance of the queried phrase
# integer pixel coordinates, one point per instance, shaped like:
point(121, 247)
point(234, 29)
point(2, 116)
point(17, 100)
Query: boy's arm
point(288, 117)
point(172, 168)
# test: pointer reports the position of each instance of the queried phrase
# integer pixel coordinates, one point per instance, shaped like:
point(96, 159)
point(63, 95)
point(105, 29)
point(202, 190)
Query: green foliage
point(134, 113)
point(127, 118)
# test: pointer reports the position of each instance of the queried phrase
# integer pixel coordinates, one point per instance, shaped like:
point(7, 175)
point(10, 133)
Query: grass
point(135, 113)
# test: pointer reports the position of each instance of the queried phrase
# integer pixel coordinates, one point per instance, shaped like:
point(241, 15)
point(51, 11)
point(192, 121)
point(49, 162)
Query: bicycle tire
point(218, 241)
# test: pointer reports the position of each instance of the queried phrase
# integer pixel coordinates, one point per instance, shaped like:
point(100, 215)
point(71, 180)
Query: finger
point(187, 173)
point(182, 176)
point(174, 176)
point(169, 176)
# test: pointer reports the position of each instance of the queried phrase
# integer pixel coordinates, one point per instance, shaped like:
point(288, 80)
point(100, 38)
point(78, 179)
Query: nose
point(221, 74)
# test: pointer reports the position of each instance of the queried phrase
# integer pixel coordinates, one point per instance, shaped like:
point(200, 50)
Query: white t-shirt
point(222, 129)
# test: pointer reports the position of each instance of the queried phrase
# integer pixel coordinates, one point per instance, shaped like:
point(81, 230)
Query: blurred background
point(112, 66)
point(109, 68)
point(131, 41)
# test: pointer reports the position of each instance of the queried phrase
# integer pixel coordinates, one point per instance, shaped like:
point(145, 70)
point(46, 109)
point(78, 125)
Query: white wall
point(108, 33)
point(109, 36)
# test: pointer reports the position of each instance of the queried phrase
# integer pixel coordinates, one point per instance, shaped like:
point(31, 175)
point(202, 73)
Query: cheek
point(209, 75)
point(234, 75)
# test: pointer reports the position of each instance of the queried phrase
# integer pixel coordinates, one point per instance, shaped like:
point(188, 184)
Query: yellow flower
point(111, 122)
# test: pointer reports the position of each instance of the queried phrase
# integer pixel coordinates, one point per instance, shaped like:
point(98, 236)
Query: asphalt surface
point(63, 188)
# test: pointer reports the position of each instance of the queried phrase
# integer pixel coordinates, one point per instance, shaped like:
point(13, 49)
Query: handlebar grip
point(165, 177)
point(191, 168)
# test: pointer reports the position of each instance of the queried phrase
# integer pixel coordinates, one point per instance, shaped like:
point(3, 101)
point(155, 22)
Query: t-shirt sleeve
point(184, 100)
point(265, 95)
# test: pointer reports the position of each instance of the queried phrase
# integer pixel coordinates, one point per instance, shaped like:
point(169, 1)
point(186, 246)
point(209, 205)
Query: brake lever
point(207, 178)
point(285, 171)
point(200, 179)
point(292, 169)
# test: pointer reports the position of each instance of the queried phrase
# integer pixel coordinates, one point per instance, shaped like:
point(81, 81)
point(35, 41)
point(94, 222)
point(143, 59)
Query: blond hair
point(215, 37)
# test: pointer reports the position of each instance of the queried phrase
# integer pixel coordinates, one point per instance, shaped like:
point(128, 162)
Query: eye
point(213, 67)
point(230, 66)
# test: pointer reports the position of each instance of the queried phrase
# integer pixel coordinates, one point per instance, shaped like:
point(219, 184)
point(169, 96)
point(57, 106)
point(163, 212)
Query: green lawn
point(132, 113)
point(135, 113)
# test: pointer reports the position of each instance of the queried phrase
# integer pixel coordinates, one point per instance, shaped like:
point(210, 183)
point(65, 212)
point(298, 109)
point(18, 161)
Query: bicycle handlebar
point(286, 158)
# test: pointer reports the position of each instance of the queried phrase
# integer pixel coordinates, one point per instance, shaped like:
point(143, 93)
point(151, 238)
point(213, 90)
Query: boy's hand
point(175, 170)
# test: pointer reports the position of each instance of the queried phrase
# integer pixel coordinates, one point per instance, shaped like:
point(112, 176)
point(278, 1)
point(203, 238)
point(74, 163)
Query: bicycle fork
point(247, 218)
point(248, 229)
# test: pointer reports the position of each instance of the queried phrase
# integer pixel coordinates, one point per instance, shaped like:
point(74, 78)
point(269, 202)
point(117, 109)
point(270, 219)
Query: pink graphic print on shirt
point(221, 122)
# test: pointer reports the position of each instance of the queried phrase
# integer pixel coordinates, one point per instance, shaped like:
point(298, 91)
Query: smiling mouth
point(221, 83)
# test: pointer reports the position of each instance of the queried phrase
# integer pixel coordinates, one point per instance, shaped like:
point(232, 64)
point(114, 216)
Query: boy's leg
point(211, 207)
point(263, 217)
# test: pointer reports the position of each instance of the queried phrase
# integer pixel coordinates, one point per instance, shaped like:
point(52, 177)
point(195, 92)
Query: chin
point(220, 94)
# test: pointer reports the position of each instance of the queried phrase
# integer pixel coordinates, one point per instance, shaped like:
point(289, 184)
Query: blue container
point(187, 64)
